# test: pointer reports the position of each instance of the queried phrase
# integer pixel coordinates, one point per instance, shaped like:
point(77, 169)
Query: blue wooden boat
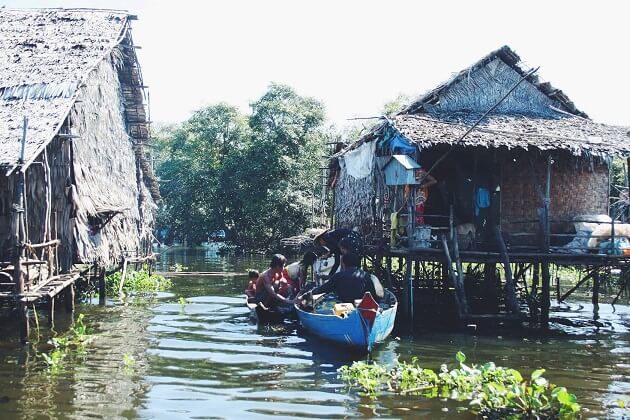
point(362, 328)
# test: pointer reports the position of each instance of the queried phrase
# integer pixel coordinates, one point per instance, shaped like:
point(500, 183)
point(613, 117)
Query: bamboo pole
point(510, 288)
point(544, 223)
point(122, 276)
point(595, 297)
point(19, 239)
point(451, 273)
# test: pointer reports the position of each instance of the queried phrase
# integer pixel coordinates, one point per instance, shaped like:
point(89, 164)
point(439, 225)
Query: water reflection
point(206, 359)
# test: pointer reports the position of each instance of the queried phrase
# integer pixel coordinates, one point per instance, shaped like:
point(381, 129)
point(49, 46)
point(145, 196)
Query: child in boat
point(252, 276)
point(272, 288)
point(296, 272)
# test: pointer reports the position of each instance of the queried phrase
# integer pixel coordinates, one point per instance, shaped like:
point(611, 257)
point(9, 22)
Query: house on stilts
point(468, 212)
point(76, 184)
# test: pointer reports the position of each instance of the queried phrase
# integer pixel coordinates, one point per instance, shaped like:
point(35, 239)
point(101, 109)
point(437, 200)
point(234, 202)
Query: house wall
point(354, 201)
point(105, 172)
point(577, 188)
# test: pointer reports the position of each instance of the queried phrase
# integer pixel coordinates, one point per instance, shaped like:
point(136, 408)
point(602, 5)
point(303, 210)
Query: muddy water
point(205, 359)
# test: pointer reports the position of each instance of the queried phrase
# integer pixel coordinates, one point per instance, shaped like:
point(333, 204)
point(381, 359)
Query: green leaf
point(537, 373)
point(461, 357)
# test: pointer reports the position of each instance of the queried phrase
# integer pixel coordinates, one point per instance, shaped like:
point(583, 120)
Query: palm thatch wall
point(74, 74)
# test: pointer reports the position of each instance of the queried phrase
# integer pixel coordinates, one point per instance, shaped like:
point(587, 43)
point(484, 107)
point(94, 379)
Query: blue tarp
point(396, 143)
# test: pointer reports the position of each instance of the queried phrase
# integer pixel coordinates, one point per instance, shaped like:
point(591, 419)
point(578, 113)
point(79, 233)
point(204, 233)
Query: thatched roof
point(534, 116)
point(579, 136)
point(46, 56)
point(507, 56)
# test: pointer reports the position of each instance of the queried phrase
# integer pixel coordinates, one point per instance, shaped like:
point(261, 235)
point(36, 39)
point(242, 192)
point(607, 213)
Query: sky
point(355, 56)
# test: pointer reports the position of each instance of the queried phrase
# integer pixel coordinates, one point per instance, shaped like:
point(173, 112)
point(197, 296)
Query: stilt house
point(514, 184)
point(76, 185)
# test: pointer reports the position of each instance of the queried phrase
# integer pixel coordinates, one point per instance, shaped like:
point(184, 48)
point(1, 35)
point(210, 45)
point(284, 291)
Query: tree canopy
point(254, 175)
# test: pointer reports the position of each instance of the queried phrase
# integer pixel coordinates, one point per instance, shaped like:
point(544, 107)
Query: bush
point(136, 281)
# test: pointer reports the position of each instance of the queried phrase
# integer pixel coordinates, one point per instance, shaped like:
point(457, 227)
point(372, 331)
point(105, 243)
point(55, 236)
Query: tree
point(254, 176)
point(190, 167)
point(274, 177)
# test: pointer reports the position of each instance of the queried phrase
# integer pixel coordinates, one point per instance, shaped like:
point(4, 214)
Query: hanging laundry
point(482, 199)
point(360, 161)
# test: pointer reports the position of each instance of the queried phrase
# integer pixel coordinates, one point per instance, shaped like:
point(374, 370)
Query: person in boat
point(272, 288)
point(351, 282)
point(350, 240)
point(252, 276)
point(296, 272)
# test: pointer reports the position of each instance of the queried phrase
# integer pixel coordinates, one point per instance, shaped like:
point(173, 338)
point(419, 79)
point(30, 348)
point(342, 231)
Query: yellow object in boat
point(342, 309)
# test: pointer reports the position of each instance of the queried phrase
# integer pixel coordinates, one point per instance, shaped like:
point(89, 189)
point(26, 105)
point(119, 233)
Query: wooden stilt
point(24, 326)
point(409, 285)
point(535, 280)
point(388, 274)
point(454, 279)
point(595, 298)
point(69, 297)
point(545, 298)
point(102, 290)
point(491, 287)
point(510, 289)
point(579, 283)
point(51, 311)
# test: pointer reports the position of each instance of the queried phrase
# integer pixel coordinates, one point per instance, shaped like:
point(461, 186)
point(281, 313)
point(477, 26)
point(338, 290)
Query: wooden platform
point(47, 288)
point(431, 254)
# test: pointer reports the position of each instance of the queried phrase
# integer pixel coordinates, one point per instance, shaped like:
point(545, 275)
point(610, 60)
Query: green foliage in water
point(493, 391)
point(69, 345)
point(177, 268)
point(136, 282)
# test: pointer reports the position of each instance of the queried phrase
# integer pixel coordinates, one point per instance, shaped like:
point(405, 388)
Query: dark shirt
point(333, 237)
point(348, 284)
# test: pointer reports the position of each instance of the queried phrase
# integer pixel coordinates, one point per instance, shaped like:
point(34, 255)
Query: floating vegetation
point(70, 345)
point(177, 268)
point(493, 391)
point(128, 364)
point(183, 301)
point(140, 281)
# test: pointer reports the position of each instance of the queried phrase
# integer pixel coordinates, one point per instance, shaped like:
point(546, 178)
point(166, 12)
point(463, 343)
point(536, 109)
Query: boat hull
point(271, 315)
point(354, 330)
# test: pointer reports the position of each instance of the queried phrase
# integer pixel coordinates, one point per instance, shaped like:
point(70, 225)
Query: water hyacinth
point(492, 391)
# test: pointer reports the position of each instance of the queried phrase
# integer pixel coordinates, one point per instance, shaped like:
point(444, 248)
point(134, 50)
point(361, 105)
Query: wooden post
point(595, 298)
point(510, 288)
point(409, 287)
point(102, 290)
point(124, 273)
point(20, 238)
point(51, 311)
point(388, 273)
point(69, 297)
point(449, 262)
point(491, 287)
point(558, 293)
point(545, 299)
point(535, 280)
